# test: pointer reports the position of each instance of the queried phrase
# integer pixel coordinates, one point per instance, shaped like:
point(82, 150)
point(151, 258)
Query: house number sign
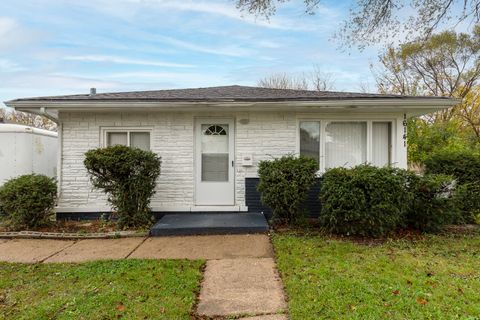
point(404, 129)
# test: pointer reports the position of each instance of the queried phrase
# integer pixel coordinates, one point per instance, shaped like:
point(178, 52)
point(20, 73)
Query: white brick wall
point(172, 138)
point(260, 134)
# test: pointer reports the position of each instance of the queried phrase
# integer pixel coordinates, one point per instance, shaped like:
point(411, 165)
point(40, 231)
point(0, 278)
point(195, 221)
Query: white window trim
point(324, 122)
point(105, 130)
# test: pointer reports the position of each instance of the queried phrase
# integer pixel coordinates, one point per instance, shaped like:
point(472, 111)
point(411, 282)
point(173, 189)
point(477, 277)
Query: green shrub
point(467, 198)
point(27, 201)
point(464, 166)
point(284, 185)
point(128, 176)
point(433, 205)
point(365, 200)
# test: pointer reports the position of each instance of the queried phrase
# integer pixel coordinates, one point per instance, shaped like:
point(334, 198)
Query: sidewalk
point(240, 275)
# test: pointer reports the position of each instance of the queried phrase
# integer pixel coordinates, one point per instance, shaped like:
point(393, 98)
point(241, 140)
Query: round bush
point(365, 200)
point(128, 176)
point(433, 205)
point(284, 185)
point(28, 201)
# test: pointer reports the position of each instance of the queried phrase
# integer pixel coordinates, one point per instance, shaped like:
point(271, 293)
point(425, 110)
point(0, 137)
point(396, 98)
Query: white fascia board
point(374, 104)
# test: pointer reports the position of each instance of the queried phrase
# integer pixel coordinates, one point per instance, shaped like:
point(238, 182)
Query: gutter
point(172, 105)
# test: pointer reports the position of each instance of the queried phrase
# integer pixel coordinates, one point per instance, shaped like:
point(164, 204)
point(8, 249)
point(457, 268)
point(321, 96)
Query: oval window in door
point(215, 152)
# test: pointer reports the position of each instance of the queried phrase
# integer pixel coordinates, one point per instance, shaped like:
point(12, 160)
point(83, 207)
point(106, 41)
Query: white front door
point(214, 157)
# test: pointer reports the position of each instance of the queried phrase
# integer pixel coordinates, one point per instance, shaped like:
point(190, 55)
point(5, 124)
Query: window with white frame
point(135, 138)
point(346, 143)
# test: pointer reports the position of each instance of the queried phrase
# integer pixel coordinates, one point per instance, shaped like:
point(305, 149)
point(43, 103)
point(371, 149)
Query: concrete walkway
point(240, 275)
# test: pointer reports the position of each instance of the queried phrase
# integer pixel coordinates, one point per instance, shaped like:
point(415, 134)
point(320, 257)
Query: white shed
point(25, 150)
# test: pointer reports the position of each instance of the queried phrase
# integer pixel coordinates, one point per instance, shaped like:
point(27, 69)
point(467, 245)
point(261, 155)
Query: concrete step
point(194, 223)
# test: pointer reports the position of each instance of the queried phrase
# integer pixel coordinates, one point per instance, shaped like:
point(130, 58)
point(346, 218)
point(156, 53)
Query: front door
point(214, 145)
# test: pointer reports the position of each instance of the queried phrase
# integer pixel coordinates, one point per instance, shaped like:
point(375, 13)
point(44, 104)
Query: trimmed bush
point(284, 185)
point(128, 176)
point(365, 200)
point(464, 166)
point(27, 201)
point(433, 205)
point(467, 198)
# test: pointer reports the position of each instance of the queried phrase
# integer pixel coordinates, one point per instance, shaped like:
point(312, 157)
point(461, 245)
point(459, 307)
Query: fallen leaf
point(120, 307)
point(396, 292)
point(460, 290)
point(352, 307)
point(421, 301)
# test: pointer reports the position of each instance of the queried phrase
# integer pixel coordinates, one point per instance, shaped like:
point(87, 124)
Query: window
point(310, 139)
point(126, 137)
point(346, 143)
point(381, 144)
point(215, 152)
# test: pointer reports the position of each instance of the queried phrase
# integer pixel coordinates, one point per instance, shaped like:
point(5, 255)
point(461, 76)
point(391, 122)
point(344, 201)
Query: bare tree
point(283, 81)
point(315, 80)
point(322, 81)
point(364, 87)
point(268, 8)
point(28, 119)
point(373, 21)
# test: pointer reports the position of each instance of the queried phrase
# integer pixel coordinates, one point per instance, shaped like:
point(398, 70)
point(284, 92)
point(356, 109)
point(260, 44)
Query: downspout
point(43, 112)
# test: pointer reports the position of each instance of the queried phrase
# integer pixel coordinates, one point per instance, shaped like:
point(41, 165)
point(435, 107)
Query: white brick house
point(211, 139)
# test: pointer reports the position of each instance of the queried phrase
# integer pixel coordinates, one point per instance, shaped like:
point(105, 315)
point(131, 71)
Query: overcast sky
point(60, 47)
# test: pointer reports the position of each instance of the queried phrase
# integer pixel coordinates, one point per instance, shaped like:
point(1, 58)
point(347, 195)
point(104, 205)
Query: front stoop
point(181, 224)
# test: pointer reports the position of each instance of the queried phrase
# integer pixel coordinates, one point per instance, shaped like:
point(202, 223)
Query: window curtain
point(345, 144)
point(140, 140)
point(117, 138)
point(381, 138)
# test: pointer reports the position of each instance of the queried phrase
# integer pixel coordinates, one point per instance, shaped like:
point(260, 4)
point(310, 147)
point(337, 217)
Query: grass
point(436, 277)
point(126, 289)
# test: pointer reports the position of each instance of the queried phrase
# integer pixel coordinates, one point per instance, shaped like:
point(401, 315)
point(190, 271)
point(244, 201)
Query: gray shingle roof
point(223, 93)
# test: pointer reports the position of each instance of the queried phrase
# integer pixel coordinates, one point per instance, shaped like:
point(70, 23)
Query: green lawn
point(437, 277)
point(126, 289)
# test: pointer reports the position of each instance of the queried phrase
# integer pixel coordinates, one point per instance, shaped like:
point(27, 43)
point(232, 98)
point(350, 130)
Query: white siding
point(261, 134)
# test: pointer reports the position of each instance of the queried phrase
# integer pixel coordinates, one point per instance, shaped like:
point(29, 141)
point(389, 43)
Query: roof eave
point(440, 103)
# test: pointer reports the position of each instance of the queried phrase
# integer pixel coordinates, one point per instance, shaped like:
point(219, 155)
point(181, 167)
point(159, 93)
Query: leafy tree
point(425, 138)
point(469, 110)
point(447, 64)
